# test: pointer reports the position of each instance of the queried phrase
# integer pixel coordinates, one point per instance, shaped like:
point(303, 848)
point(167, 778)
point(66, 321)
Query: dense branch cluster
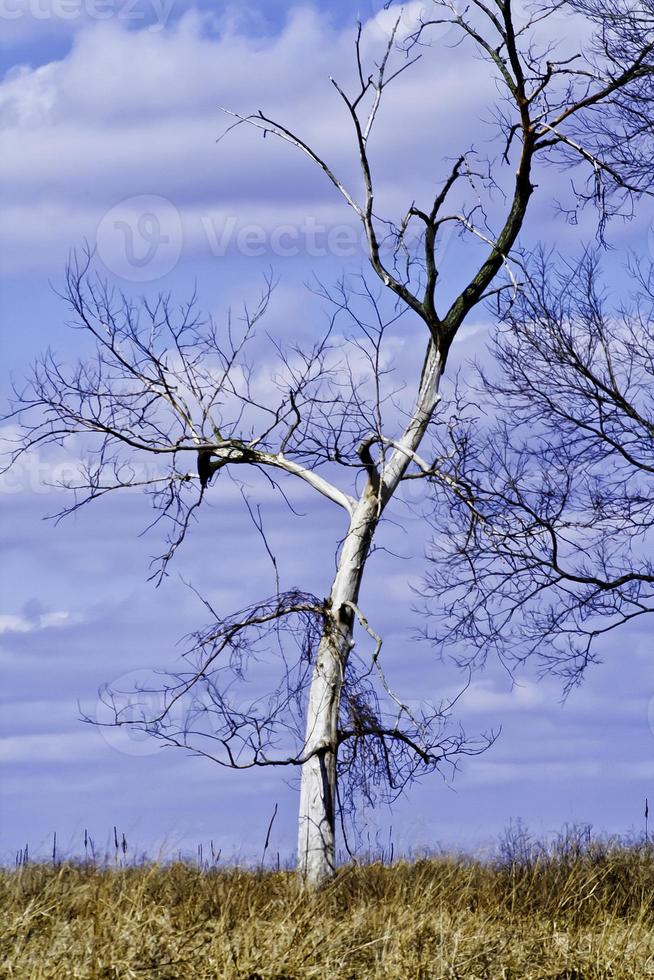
point(561, 472)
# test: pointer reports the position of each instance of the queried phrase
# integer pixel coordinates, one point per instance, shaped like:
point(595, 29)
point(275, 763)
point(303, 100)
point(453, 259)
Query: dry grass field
point(569, 912)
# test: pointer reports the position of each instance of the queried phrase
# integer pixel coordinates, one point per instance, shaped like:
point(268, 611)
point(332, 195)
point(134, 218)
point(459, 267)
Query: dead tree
point(170, 389)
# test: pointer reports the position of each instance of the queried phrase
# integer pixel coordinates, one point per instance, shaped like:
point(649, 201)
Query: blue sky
point(107, 108)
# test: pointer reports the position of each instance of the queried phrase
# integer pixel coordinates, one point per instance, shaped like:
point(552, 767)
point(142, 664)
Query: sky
point(110, 110)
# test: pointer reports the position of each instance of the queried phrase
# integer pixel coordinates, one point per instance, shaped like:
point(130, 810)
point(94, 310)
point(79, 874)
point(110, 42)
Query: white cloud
point(485, 696)
point(41, 621)
point(31, 717)
point(66, 747)
point(129, 113)
point(26, 22)
point(491, 773)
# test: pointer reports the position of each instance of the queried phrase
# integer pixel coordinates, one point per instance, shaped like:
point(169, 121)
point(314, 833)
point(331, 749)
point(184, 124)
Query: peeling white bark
point(317, 821)
point(316, 850)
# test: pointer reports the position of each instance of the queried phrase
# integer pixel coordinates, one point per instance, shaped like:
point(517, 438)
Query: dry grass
point(570, 912)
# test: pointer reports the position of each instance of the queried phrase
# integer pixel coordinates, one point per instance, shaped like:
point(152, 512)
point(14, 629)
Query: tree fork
point(316, 856)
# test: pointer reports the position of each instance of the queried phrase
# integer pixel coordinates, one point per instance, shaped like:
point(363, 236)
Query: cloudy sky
point(109, 112)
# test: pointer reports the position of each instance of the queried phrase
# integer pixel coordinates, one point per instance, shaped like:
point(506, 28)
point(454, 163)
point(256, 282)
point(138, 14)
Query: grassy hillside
point(567, 912)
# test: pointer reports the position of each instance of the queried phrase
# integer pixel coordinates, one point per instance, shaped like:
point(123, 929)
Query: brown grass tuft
point(562, 913)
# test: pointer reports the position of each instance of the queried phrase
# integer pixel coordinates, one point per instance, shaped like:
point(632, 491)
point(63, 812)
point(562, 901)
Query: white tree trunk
point(316, 835)
point(317, 820)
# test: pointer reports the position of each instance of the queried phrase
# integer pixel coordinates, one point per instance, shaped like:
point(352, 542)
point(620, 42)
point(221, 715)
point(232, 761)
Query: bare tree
point(168, 386)
point(550, 547)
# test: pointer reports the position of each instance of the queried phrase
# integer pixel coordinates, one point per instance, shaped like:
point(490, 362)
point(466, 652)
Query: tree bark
point(317, 820)
point(316, 833)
